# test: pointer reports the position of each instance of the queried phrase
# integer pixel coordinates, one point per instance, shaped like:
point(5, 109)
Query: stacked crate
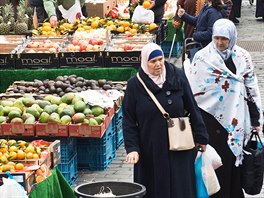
point(68, 164)
point(97, 153)
point(118, 127)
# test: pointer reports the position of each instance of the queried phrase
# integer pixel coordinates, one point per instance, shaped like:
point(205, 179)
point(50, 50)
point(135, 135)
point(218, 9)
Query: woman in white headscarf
point(225, 87)
point(166, 174)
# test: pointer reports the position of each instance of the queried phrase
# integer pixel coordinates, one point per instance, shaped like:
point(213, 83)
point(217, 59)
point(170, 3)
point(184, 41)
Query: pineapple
point(21, 25)
point(7, 13)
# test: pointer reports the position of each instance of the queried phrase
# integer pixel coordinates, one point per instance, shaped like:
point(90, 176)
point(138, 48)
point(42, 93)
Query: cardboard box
point(99, 9)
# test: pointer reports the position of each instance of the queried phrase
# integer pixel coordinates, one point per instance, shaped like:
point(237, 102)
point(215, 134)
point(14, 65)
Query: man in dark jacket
point(203, 23)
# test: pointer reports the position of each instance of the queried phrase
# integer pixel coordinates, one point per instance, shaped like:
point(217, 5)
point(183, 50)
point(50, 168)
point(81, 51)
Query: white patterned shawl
point(222, 93)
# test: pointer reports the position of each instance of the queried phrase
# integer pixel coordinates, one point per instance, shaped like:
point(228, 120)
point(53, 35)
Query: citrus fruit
point(146, 4)
point(19, 166)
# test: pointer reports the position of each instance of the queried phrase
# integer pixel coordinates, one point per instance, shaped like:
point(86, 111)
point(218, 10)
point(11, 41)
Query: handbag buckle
point(170, 122)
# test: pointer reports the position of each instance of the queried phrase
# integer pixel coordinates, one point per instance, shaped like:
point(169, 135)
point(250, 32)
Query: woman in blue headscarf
point(165, 173)
point(225, 87)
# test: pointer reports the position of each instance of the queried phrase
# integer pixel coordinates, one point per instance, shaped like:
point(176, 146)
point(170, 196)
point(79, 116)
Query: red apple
point(74, 41)
point(100, 42)
point(93, 42)
point(82, 47)
point(128, 47)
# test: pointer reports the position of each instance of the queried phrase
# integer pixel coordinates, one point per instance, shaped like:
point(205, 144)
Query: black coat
point(204, 23)
point(165, 174)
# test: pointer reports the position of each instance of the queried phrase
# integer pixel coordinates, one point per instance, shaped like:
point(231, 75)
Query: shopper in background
point(203, 23)
point(157, 6)
point(165, 173)
point(236, 11)
point(259, 9)
point(41, 13)
point(225, 87)
point(51, 8)
point(188, 6)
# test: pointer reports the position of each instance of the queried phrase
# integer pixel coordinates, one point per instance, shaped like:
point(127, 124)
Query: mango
point(16, 120)
point(30, 120)
point(28, 102)
point(44, 117)
point(97, 110)
point(2, 119)
point(67, 98)
point(25, 116)
point(65, 119)
point(76, 98)
point(79, 106)
point(7, 103)
point(14, 114)
point(54, 117)
point(43, 103)
point(92, 122)
point(1, 110)
point(33, 111)
point(78, 118)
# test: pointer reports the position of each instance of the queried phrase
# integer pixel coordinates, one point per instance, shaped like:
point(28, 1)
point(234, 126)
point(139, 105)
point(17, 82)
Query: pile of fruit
point(14, 154)
point(62, 110)
point(24, 18)
point(91, 23)
point(62, 85)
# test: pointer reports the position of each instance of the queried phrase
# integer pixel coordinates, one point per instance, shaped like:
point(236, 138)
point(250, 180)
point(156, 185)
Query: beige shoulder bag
point(179, 129)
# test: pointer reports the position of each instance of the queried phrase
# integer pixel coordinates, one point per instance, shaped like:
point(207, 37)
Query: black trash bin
point(120, 189)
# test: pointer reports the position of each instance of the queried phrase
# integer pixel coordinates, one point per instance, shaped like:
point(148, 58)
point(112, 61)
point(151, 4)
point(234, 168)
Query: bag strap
point(164, 113)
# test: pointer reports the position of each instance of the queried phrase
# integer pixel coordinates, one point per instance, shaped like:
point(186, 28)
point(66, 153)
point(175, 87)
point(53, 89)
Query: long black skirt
point(228, 174)
point(259, 8)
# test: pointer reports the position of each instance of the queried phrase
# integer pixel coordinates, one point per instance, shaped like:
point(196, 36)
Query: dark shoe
point(235, 20)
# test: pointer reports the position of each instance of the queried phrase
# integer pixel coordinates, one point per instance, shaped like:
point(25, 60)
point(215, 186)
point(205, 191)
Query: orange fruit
point(39, 172)
point(120, 29)
point(146, 4)
point(19, 166)
point(29, 155)
point(3, 159)
point(13, 148)
point(35, 156)
point(12, 155)
point(39, 178)
point(46, 24)
point(153, 26)
point(20, 155)
point(95, 24)
point(30, 149)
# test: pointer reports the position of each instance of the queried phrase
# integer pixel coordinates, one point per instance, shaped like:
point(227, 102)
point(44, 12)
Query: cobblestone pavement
point(250, 37)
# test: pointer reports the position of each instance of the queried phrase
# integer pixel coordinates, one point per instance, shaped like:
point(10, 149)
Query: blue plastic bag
point(200, 187)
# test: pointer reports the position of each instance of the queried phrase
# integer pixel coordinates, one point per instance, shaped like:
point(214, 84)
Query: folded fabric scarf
point(222, 94)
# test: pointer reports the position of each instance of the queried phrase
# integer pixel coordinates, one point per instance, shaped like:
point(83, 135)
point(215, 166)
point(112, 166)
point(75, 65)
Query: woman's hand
point(257, 128)
point(180, 12)
point(132, 157)
point(53, 21)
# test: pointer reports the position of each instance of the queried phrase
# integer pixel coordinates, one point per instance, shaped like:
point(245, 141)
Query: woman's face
point(156, 65)
point(221, 42)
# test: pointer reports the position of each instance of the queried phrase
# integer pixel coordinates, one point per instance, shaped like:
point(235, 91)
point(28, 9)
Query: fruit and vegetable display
point(63, 84)
point(65, 109)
